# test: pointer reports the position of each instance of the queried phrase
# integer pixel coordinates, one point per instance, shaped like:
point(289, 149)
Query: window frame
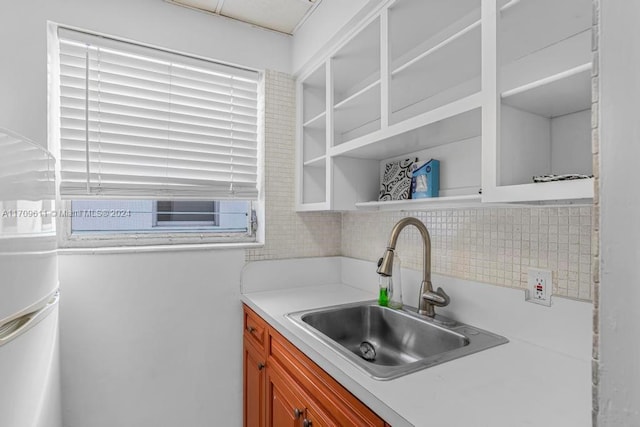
point(255, 235)
point(68, 239)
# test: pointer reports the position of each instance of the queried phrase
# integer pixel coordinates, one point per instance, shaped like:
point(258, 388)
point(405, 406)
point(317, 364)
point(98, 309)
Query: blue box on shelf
point(425, 181)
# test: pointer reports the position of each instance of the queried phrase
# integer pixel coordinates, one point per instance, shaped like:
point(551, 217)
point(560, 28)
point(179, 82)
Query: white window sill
point(158, 248)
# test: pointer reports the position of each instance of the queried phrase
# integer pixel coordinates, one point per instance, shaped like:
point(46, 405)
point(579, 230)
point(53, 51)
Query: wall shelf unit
point(499, 91)
point(543, 98)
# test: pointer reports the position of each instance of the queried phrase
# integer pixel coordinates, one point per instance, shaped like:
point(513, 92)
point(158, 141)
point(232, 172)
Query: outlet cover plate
point(539, 286)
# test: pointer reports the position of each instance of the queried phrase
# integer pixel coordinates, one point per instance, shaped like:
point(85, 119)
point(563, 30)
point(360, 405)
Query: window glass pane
point(187, 211)
point(164, 216)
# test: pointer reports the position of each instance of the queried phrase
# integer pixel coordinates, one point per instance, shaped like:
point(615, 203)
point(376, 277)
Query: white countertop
point(512, 385)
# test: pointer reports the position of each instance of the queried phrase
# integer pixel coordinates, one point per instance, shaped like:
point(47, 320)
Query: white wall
point(151, 339)
point(619, 391)
point(146, 339)
point(23, 45)
point(325, 22)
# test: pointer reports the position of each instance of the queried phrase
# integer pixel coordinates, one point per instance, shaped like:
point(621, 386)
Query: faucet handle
point(438, 297)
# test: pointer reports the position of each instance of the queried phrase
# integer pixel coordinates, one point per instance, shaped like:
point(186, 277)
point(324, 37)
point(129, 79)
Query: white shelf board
point(415, 60)
point(577, 189)
point(316, 162)
point(311, 207)
point(358, 109)
point(317, 122)
point(413, 204)
point(452, 122)
point(556, 95)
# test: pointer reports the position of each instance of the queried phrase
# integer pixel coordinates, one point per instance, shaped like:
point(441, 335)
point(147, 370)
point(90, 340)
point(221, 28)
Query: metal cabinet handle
point(260, 366)
point(250, 329)
point(306, 423)
point(297, 413)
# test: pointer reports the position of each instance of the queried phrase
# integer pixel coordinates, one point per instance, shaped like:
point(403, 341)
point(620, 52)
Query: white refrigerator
point(29, 357)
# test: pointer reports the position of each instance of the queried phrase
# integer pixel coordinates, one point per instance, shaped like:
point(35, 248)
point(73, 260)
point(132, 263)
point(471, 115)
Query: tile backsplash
point(494, 245)
point(289, 234)
point(487, 244)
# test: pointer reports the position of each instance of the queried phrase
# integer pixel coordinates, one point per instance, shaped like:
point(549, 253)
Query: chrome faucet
point(428, 298)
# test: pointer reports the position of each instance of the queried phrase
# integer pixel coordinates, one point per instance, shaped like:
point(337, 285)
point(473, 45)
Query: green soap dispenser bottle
point(383, 294)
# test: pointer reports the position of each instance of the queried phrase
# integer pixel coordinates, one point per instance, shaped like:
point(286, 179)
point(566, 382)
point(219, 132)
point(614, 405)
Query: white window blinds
point(150, 124)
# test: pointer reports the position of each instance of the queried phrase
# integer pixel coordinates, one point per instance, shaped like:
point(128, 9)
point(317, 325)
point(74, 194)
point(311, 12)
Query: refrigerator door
point(30, 391)
point(29, 361)
point(29, 269)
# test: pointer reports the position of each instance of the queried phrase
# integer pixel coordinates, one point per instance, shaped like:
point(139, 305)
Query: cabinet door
point(285, 407)
point(254, 386)
point(315, 417)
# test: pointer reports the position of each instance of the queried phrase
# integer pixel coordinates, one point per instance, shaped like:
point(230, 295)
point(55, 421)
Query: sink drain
point(367, 351)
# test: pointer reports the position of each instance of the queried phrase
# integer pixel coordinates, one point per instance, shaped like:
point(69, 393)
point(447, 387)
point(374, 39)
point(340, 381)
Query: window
point(153, 142)
point(187, 213)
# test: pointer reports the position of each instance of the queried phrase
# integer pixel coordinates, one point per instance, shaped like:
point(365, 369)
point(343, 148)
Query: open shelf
point(314, 141)
point(431, 50)
point(557, 95)
point(314, 95)
point(416, 26)
point(531, 26)
point(357, 64)
point(356, 111)
point(444, 73)
point(533, 145)
point(314, 185)
point(317, 122)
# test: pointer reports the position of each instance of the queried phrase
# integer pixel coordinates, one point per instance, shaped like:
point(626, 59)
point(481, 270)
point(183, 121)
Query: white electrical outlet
point(540, 286)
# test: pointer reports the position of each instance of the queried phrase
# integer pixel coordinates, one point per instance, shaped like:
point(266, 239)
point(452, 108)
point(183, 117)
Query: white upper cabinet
point(498, 91)
point(538, 120)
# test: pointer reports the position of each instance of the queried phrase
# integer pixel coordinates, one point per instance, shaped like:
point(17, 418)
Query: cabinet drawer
point(255, 329)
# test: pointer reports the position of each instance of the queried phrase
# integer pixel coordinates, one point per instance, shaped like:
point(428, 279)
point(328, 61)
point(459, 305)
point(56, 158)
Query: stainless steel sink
point(389, 343)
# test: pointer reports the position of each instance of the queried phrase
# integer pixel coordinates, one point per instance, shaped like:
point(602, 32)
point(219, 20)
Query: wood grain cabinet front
point(254, 374)
point(284, 388)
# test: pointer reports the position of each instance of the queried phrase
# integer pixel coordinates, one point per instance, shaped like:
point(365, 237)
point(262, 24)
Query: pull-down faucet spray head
point(385, 264)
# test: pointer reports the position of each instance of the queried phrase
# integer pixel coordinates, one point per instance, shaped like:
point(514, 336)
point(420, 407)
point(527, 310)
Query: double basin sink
point(388, 343)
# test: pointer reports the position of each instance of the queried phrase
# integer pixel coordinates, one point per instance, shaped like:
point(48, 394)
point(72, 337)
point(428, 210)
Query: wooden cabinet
point(289, 405)
point(283, 387)
point(254, 374)
point(497, 90)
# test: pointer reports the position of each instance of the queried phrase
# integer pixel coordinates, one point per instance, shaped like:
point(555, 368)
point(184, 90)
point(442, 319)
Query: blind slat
point(157, 123)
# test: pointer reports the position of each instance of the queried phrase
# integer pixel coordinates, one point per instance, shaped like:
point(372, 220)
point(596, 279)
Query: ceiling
point(284, 16)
